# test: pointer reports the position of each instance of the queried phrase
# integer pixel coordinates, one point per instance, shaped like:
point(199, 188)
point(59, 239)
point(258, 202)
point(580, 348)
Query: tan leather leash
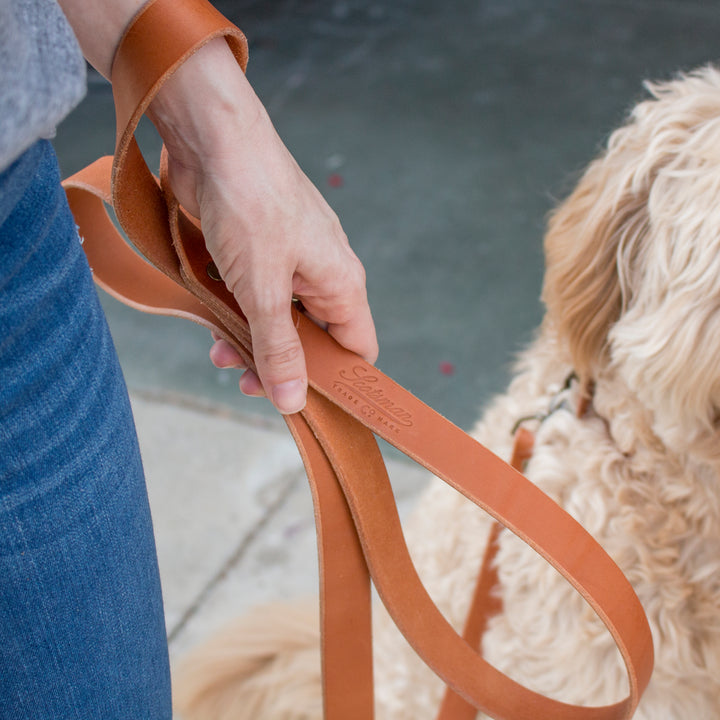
point(359, 533)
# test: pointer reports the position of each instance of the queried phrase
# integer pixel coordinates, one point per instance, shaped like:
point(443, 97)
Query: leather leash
point(359, 532)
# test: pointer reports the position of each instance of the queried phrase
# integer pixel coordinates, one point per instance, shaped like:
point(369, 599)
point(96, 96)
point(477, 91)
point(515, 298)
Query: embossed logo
point(361, 388)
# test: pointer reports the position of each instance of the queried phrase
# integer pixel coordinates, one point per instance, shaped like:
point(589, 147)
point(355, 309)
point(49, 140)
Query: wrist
point(99, 26)
point(203, 103)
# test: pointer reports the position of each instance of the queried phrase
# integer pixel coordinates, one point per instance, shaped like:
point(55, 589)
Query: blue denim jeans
point(82, 631)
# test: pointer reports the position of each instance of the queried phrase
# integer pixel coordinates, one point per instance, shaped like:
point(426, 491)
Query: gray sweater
point(42, 73)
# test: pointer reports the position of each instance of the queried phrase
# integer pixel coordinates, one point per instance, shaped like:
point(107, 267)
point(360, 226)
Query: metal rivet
point(212, 271)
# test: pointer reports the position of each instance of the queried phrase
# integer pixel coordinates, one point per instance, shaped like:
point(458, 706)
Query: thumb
point(279, 360)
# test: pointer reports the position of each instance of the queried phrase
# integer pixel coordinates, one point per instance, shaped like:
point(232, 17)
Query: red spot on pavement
point(446, 368)
point(335, 180)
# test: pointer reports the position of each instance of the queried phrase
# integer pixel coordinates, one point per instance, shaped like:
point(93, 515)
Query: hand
point(268, 229)
point(223, 355)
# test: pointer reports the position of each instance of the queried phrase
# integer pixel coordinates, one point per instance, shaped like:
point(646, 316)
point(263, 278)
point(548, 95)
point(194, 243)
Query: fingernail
point(289, 397)
point(250, 385)
point(251, 390)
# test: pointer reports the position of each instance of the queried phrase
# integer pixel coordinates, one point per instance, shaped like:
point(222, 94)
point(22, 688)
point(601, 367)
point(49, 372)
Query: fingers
point(277, 351)
point(358, 334)
point(250, 385)
point(281, 364)
point(223, 355)
point(262, 285)
point(331, 285)
point(337, 300)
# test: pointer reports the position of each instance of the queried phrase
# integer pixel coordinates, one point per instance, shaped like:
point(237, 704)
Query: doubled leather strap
point(359, 532)
point(485, 602)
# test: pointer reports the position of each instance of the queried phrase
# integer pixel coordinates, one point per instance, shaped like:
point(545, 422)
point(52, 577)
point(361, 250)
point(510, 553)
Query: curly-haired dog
point(632, 291)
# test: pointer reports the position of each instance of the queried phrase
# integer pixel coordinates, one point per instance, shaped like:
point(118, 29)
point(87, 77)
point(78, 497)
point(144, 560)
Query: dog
point(632, 298)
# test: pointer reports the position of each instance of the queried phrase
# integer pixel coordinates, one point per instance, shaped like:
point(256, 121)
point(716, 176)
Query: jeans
point(82, 631)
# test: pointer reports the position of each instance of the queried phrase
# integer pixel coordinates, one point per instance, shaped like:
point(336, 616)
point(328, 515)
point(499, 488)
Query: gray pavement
point(232, 511)
point(451, 129)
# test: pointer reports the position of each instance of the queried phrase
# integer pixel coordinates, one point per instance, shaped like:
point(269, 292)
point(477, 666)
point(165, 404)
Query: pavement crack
point(288, 482)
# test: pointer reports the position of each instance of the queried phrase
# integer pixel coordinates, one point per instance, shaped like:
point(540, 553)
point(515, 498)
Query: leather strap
point(359, 532)
point(486, 602)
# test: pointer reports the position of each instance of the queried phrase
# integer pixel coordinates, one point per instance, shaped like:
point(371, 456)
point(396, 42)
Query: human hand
point(270, 232)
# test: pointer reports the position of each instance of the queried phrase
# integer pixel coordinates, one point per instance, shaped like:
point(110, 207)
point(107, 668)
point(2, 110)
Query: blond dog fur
point(632, 292)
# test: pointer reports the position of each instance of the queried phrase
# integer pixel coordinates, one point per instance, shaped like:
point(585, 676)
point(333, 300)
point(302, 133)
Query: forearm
point(191, 105)
point(98, 26)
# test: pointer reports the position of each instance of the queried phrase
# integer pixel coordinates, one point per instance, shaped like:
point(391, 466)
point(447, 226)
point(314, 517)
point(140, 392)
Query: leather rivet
point(212, 271)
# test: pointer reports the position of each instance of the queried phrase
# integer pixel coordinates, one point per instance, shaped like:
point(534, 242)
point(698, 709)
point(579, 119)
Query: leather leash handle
point(350, 396)
point(143, 60)
point(485, 603)
point(344, 580)
point(377, 510)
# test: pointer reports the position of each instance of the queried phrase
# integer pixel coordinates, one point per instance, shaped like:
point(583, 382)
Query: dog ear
point(601, 223)
point(596, 237)
point(633, 259)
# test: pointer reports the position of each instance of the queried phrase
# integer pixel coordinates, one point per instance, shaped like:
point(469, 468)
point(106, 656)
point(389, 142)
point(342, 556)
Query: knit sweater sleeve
point(42, 73)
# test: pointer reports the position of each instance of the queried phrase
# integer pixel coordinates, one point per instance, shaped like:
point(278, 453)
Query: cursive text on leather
point(361, 388)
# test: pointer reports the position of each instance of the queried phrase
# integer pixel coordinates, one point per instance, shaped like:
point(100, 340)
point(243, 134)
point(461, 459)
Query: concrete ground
point(442, 133)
